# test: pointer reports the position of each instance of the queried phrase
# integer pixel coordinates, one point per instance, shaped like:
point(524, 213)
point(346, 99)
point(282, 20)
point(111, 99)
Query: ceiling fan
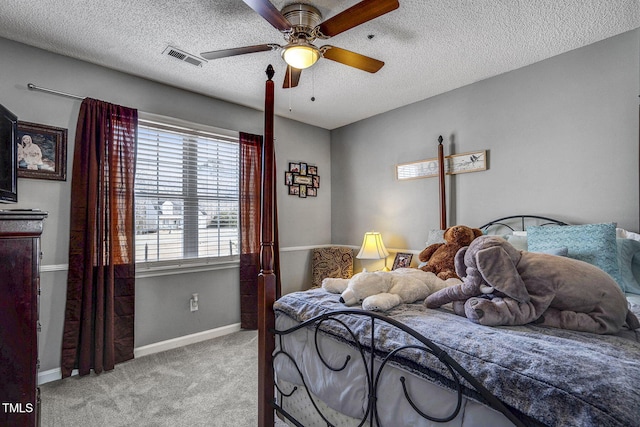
point(301, 24)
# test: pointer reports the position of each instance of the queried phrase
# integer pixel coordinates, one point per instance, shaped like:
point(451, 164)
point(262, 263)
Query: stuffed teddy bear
point(383, 290)
point(440, 256)
point(502, 285)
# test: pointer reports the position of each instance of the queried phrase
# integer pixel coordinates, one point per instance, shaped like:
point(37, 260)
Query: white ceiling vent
point(183, 56)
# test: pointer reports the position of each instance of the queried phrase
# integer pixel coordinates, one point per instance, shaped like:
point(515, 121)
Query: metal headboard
point(511, 221)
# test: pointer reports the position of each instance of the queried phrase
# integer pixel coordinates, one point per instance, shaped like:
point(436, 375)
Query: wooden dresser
point(19, 297)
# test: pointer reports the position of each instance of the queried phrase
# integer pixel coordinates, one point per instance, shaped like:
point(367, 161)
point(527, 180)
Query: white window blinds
point(186, 191)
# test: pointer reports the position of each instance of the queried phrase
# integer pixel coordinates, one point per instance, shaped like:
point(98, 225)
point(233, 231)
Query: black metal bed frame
point(504, 222)
point(368, 355)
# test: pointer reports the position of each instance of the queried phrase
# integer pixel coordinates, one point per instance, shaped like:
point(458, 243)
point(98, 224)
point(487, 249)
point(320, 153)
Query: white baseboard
point(185, 340)
point(52, 375)
point(56, 373)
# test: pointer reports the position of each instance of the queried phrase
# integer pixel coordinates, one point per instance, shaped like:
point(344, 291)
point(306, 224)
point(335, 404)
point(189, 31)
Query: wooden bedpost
point(443, 198)
point(267, 277)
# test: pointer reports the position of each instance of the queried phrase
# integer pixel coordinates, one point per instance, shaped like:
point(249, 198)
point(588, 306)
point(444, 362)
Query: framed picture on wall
point(294, 167)
point(302, 179)
point(42, 151)
point(402, 260)
point(454, 164)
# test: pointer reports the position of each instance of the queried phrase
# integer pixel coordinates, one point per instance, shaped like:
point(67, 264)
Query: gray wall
point(303, 222)
point(562, 138)
point(562, 141)
point(162, 309)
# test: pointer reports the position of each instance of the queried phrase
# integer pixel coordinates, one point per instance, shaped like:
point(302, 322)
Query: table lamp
point(373, 248)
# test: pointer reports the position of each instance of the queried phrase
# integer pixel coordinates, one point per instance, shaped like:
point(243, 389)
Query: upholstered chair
point(333, 261)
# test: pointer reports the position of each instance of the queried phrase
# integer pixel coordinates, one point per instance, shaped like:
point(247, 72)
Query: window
point(186, 191)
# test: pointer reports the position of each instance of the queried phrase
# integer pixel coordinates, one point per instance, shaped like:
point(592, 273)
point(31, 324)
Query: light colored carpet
point(212, 383)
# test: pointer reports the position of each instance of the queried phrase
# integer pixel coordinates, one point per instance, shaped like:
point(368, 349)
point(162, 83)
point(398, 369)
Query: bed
point(322, 364)
point(415, 366)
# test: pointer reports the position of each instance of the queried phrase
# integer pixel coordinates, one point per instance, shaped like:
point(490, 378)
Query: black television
point(8, 156)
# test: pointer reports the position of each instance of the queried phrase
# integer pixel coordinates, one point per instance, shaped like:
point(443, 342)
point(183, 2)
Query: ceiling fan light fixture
point(301, 55)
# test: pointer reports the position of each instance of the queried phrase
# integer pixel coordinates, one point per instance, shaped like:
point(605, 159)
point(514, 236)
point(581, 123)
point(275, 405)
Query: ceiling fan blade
point(216, 54)
point(291, 77)
point(357, 14)
point(270, 13)
point(351, 59)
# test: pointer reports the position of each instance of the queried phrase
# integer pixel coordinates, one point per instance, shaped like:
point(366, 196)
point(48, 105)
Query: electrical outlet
point(194, 302)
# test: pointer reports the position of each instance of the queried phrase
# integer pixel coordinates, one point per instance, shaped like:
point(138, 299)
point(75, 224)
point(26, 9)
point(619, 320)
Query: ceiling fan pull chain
point(289, 75)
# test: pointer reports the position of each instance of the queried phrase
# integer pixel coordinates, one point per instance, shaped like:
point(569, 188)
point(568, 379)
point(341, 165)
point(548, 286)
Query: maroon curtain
point(250, 232)
point(98, 327)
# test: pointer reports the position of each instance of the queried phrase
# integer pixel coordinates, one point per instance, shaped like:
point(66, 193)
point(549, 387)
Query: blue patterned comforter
point(548, 376)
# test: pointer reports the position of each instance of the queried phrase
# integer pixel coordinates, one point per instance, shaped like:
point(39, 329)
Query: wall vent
point(183, 56)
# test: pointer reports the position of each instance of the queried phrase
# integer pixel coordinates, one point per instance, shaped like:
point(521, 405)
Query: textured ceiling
point(428, 46)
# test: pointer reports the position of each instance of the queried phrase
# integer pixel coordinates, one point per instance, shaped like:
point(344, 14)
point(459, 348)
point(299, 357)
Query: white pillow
point(624, 234)
point(435, 236)
point(517, 241)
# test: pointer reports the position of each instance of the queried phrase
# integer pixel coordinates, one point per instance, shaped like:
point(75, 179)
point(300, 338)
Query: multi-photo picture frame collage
point(302, 179)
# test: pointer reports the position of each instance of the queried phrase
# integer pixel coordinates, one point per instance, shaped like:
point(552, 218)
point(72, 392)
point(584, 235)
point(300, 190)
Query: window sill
point(166, 269)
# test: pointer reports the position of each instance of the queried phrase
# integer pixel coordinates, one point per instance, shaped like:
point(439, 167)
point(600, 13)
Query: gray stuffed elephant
point(504, 286)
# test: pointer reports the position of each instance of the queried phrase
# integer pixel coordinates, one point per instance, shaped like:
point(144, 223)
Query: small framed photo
point(402, 260)
point(294, 167)
point(312, 170)
point(303, 168)
point(288, 178)
point(294, 190)
point(312, 192)
point(42, 151)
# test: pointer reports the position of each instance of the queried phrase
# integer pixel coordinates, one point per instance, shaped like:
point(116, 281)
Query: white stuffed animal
point(383, 290)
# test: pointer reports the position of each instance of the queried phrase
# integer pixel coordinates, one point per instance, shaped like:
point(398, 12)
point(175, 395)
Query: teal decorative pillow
point(627, 251)
point(560, 251)
point(592, 243)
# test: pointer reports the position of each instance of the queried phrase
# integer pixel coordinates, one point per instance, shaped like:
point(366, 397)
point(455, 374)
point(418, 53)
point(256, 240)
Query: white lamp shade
point(372, 247)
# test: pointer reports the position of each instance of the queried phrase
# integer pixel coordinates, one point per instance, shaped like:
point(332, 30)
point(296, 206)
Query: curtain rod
point(31, 86)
